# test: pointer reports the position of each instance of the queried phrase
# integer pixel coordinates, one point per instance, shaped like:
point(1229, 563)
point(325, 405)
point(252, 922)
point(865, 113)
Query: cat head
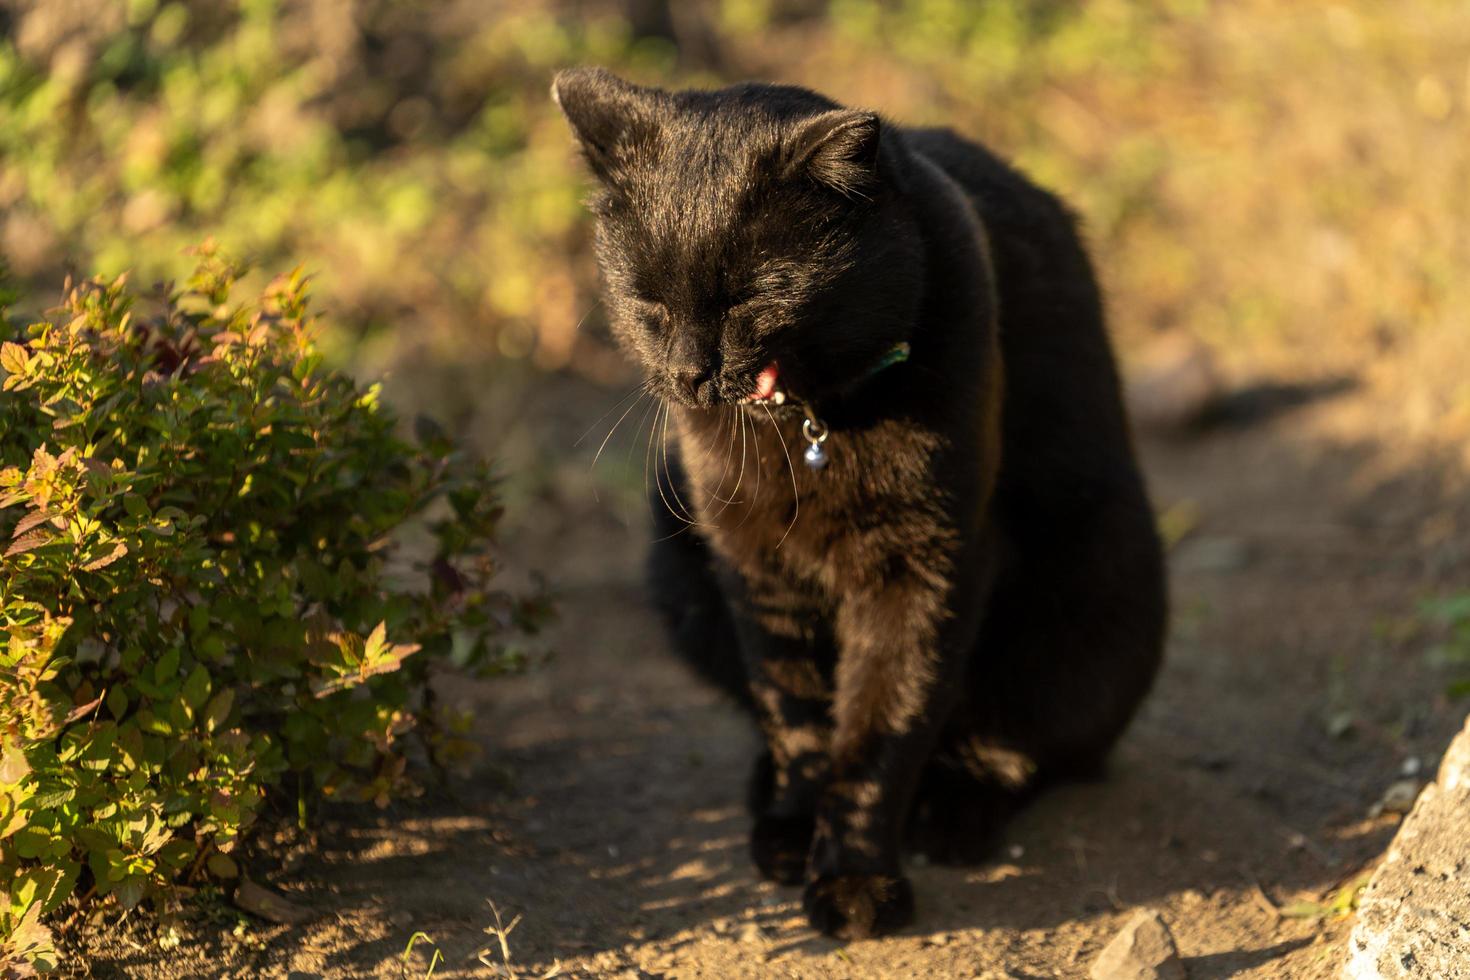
point(752, 240)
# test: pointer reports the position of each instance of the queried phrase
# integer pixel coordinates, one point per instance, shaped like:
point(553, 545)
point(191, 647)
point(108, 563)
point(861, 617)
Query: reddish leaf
point(82, 710)
point(27, 543)
point(96, 563)
point(31, 520)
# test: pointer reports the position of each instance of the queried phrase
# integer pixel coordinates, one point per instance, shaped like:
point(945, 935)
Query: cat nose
point(697, 384)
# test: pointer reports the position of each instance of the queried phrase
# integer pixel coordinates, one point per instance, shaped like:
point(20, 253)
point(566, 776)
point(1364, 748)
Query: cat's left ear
point(608, 115)
point(838, 149)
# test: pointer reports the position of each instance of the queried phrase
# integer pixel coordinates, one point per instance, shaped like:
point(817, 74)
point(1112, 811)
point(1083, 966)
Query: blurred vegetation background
point(1286, 180)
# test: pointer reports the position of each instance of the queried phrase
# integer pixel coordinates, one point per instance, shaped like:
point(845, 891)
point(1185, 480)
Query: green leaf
point(117, 702)
point(50, 799)
point(180, 715)
point(222, 865)
point(198, 619)
point(96, 839)
point(167, 667)
point(136, 506)
point(196, 688)
point(31, 842)
point(150, 722)
point(376, 641)
point(218, 711)
point(13, 358)
point(66, 883)
point(177, 852)
point(130, 891)
point(13, 765)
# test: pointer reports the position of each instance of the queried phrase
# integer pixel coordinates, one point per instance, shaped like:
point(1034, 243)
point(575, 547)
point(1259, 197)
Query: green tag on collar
point(897, 354)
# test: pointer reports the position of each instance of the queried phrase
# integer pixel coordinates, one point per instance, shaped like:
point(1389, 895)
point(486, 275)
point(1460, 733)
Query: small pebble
point(1398, 798)
point(1143, 950)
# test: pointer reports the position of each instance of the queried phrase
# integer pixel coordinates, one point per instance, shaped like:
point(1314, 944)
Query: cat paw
point(779, 846)
point(859, 906)
point(958, 820)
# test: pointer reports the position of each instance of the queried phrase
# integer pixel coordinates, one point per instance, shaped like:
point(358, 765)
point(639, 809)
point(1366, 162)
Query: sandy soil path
point(608, 814)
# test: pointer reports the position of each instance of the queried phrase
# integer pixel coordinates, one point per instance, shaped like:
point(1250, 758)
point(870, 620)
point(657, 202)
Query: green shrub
point(199, 593)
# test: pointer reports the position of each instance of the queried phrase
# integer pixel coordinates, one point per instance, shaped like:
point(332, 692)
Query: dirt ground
point(608, 812)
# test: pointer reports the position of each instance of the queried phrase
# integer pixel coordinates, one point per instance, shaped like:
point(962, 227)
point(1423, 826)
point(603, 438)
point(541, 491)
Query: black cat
point(904, 522)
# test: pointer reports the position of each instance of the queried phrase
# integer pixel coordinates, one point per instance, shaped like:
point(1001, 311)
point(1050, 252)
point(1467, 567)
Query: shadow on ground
point(1295, 691)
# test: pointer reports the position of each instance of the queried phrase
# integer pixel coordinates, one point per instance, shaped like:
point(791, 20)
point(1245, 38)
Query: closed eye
point(652, 313)
point(765, 311)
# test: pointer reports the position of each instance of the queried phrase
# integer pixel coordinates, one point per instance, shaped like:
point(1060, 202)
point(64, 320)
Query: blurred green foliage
point(1450, 616)
point(1268, 174)
point(426, 178)
point(197, 521)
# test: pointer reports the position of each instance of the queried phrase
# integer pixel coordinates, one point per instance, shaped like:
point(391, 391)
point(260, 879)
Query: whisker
point(795, 494)
point(755, 494)
point(642, 385)
point(709, 448)
point(729, 458)
point(740, 476)
point(628, 459)
point(669, 537)
point(605, 439)
point(656, 404)
point(657, 479)
point(664, 448)
point(578, 328)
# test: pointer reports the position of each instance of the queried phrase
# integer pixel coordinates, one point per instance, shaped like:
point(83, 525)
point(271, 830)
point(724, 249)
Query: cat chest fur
point(870, 513)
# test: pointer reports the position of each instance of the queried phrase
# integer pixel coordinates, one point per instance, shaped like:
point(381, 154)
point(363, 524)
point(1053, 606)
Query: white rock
point(1143, 950)
point(1414, 916)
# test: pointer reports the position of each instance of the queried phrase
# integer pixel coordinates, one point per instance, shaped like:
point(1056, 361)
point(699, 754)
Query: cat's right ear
point(838, 149)
point(608, 115)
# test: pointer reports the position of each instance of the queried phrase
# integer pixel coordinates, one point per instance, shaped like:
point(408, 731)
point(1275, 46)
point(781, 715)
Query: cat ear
point(838, 149)
point(607, 114)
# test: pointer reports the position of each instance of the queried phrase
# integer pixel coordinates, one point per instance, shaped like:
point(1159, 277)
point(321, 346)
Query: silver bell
point(814, 430)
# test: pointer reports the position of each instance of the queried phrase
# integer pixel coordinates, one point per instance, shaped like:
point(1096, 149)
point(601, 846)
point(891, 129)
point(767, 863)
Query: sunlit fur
point(717, 258)
point(968, 600)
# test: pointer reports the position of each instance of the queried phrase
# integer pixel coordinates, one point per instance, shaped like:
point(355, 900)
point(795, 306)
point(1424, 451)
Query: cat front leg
point(897, 676)
point(783, 647)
